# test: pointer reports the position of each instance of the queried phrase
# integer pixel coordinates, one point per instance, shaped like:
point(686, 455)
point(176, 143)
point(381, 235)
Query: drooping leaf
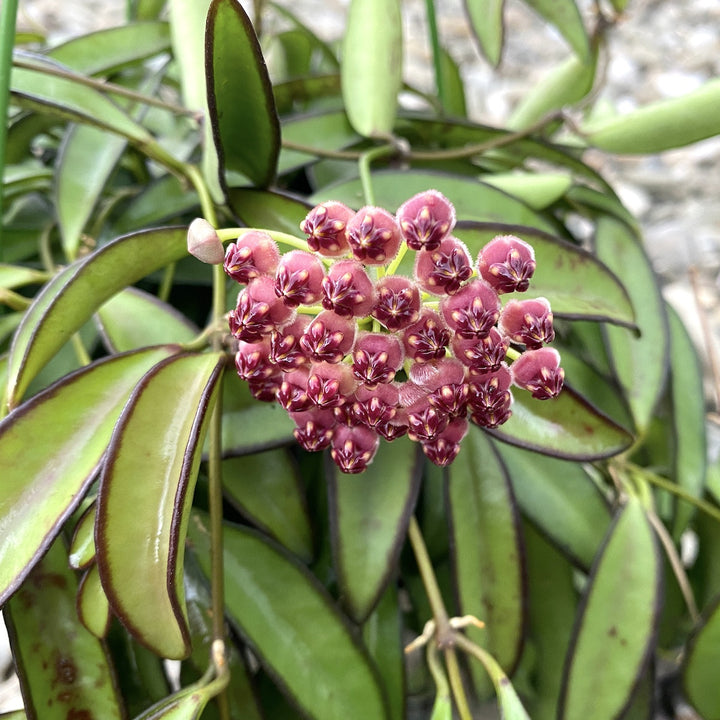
point(48, 465)
point(270, 598)
point(92, 604)
point(145, 496)
point(371, 65)
point(701, 662)
point(662, 125)
point(81, 553)
point(63, 669)
point(561, 501)
point(134, 319)
point(245, 125)
point(487, 551)
point(14, 276)
point(640, 363)
point(486, 21)
point(565, 16)
point(266, 488)
point(572, 279)
point(74, 294)
point(538, 190)
point(614, 631)
point(454, 98)
point(369, 515)
point(565, 427)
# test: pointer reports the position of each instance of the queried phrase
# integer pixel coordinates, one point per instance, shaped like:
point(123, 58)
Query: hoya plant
point(337, 405)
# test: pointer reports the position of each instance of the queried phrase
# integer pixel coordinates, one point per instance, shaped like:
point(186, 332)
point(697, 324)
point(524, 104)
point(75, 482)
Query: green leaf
point(487, 551)
point(572, 279)
point(565, 84)
point(93, 607)
point(86, 158)
point(15, 276)
point(560, 499)
point(699, 671)
point(614, 633)
point(369, 515)
point(688, 419)
point(565, 16)
point(486, 22)
point(81, 553)
point(134, 319)
point(271, 598)
point(185, 704)
point(48, 465)
point(538, 190)
point(661, 125)
point(245, 125)
point(64, 671)
point(266, 488)
point(145, 496)
point(266, 209)
point(640, 363)
point(454, 100)
point(371, 65)
point(566, 427)
point(74, 294)
point(68, 99)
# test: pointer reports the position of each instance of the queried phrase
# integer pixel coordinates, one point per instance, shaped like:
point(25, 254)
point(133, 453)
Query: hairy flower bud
point(507, 263)
point(325, 228)
point(376, 358)
point(398, 302)
point(298, 278)
point(529, 322)
point(328, 337)
point(285, 349)
point(427, 338)
point(443, 271)
point(348, 290)
point(314, 428)
point(444, 448)
point(481, 354)
point(473, 310)
point(254, 254)
point(353, 448)
point(374, 236)
point(539, 372)
point(426, 219)
point(203, 242)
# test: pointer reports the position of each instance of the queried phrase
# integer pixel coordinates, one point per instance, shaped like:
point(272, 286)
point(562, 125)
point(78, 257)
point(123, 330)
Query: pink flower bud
point(425, 422)
point(444, 448)
point(266, 389)
point(353, 448)
point(298, 278)
point(539, 372)
point(376, 358)
point(529, 322)
point(490, 398)
point(314, 428)
point(375, 408)
point(325, 228)
point(507, 263)
point(426, 219)
point(398, 302)
point(443, 271)
point(481, 354)
point(293, 395)
point(254, 254)
point(203, 242)
point(252, 360)
point(328, 337)
point(329, 385)
point(285, 349)
point(473, 310)
point(348, 290)
point(374, 236)
point(427, 338)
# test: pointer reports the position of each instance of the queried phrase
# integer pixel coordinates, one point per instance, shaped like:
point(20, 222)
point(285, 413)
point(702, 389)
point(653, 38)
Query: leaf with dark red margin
point(369, 516)
point(242, 110)
point(63, 669)
point(145, 497)
point(93, 608)
point(699, 670)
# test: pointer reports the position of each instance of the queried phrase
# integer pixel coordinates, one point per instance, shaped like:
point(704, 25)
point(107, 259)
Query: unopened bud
point(203, 242)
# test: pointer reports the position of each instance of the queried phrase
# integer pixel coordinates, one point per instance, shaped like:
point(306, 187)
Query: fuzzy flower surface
point(357, 354)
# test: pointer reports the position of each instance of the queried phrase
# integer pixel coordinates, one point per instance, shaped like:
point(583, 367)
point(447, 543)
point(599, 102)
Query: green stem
point(8, 14)
point(80, 352)
point(166, 283)
point(281, 238)
point(364, 164)
point(395, 264)
point(436, 51)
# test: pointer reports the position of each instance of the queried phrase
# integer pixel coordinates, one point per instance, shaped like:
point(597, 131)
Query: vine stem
point(444, 633)
point(364, 163)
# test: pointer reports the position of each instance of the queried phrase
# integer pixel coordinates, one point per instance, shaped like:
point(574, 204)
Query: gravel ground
point(661, 49)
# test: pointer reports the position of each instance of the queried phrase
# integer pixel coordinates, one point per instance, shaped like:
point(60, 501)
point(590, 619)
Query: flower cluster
point(355, 353)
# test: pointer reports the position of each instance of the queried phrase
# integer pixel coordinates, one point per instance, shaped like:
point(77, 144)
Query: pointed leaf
point(93, 607)
point(614, 633)
point(486, 22)
point(487, 552)
point(14, 276)
point(560, 499)
point(701, 663)
point(538, 190)
point(661, 125)
point(134, 319)
point(64, 670)
point(48, 465)
point(145, 496)
point(270, 598)
point(244, 121)
point(266, 488)
point(368, 520)
point(81, 553)
point(640, 363)
point(566, 427)
point(371, 65)
point(454, 100)
point(688, 419)
point(572, 279)
point(565, 16)
point(73, 295)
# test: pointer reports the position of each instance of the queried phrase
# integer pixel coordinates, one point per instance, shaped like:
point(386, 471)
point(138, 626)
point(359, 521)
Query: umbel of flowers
point(355, 352)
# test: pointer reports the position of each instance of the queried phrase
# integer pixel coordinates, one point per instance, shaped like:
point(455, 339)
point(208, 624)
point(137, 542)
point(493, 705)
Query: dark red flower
point(426, 219)
point(507, 263)
point(374, 236)
point(325, 227)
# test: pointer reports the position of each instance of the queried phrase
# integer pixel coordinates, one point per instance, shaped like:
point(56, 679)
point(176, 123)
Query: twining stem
point(444, 633)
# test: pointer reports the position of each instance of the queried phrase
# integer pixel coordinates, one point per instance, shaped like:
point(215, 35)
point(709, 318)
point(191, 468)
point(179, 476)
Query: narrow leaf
point(614, 632)
point(369, 515)
point(661, 125)
point(270, 598)
point(48, 465)
point(701, 663)
point(81, 553)
point(454, 100)
point(266, 488)
point(538, 190)
point(371, 65)
point(145, 495)
point(566, 427)
point(64, 670)
point(244, 121)
point(640, 363)
point(565, 16)
point(73, 295)
point(14, 276)
point(93, 607)
point(486, 22)
point(487, 552)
